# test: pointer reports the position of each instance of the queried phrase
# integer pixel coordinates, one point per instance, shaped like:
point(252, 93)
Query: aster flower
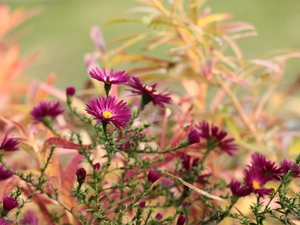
point(255, 182)
point(217, 138)
point(142, 204)
point(9, 144)
point(96, 166)
point(81, 175)
point(45, 109)
point(153, 176)
point(238, 190)
point(186, 159)
point(158, 216)
point(9, 203)
point(5, 174)
point(111, 77)
point(181, 220)
point(264, 167)
point(149, 93)
point(285, 166)
point(70, 91)
point(109, 111)
point(119, 77)
point(193, 137)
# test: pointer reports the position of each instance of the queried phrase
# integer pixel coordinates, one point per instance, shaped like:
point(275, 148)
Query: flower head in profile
point(109, 111)
point(238, 190)
point(9, 144)
point(9, 203)
point(111, 77)
point(285, 166)
point(255, 182)
point(265, 168)
point(217, 138)
point(4, 173)
point(46, 109)
point(149, 93)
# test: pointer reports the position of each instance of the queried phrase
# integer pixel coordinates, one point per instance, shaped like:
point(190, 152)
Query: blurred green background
point(62, 31)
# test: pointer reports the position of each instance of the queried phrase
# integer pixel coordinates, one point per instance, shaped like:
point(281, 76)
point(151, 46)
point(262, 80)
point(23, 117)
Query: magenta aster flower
point(266, 169)
point(46, 109)
point(96, 166)
point(186, 161)
point(149, 93)
point(158, 216)
point(70, 91)
point(9, 203)
point(285, 166)
point(4, 173)
point(181, 220)
point(238, 190)
point(9, 144)
point(255, 182)
point(81, 175)
point(153, 176)
point(217, 138)
point(119, 77)
point(109, 111)
point(193, 136)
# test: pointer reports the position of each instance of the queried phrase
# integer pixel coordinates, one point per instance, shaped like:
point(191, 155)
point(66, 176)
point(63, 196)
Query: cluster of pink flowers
point(259, 173)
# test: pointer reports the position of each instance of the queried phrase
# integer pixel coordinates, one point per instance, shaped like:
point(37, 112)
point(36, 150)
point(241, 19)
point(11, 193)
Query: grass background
point(62, 31)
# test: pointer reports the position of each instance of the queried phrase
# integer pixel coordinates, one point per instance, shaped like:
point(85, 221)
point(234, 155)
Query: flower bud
point(181, 220)
point(70, 91)
point(81, 174)
point(153, 176)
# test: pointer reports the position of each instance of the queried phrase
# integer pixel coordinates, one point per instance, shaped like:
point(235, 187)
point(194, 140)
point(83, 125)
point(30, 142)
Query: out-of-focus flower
point(149, 93)
point(153, 176)
point(30, 218)
point(193, 136)
point(285, 166)
point(158, 216)
point(81, 175)
point(96, 166)
point(264, 167)
point(255, 182)
point(4, 173)
point(181, 220)
point(9, 144)
point(118, 77)
point(3, 221)
point(217, 138)
point(97, 37)
point(238, 190)
point(45, 110)
point(9, 203)
point(109, 111)
point(186, 159)
point(142, 204)
point(203, 179)
point(70, 91)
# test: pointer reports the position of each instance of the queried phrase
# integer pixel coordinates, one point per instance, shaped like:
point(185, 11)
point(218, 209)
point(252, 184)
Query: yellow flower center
point(110, 79)
point(107, 114)
point(151, 90)
point(255, 185)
